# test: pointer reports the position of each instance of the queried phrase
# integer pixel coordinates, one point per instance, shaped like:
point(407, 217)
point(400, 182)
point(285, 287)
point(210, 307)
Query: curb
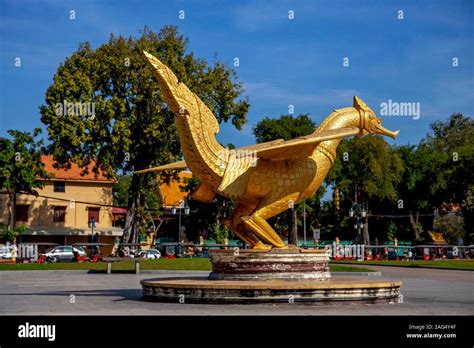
point(418, 267)
point(168, 271)
point(357, 274)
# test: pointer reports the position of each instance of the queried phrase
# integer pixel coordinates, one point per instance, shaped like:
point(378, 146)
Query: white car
point(64, 253)
point(5, 252)
point(149, 254)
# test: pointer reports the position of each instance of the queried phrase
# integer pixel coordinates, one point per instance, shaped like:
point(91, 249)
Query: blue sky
point(282, 61)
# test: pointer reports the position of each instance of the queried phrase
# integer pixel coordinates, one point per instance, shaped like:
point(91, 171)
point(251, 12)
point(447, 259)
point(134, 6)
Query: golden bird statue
point(264, 179)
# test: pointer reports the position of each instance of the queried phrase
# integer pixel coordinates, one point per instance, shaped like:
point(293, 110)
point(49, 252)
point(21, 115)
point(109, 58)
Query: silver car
point(149, 254)
point(64, 253)
point(5, 251)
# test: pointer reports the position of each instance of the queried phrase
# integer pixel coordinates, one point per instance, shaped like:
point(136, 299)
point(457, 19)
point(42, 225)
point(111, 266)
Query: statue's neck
point(339, 118)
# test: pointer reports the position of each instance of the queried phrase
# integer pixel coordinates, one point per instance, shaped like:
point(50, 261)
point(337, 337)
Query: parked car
point(5, 252)
point(63, 253)
point(149, 254)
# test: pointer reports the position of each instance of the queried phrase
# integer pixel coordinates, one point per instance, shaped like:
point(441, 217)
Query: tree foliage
point(284, 127)
point(454, 141)
point(366, 168)
point(120, 190)
point(411, 180)
point(451, 225)
point(207, 218)
point(21, 169)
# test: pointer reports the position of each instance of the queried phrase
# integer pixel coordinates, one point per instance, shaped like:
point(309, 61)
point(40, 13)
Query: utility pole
point(304, 221)
point(293, 231)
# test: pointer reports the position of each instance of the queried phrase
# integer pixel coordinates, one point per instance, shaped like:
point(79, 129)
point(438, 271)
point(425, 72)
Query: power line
point(75, 201)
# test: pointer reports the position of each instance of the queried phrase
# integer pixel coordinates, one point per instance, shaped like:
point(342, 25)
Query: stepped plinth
point(278, 275)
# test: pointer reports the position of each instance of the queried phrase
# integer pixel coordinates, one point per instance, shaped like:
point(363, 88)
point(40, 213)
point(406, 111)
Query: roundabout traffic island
point(275, 276)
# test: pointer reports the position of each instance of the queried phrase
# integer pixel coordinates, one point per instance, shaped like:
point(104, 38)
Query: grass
point(339, 268)
point(191, 264)
point(445, 264)
point(198, 264)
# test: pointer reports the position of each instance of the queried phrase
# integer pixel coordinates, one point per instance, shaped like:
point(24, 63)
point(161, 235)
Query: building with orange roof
point(170, 194)
point(74, 173)
point(65, 207)
point(173, 192)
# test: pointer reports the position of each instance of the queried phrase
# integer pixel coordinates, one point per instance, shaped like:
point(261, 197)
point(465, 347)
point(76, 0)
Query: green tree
point(21, 169)
point(468, 206)
point(207, 216)
point(454, 140)
point(334, 222)
point(284, 127)
point(120, 190)
point(422, 180)
point(11, 234)
point(391, 231)
point(131, 127)
point(366, 169)
point(451, 225)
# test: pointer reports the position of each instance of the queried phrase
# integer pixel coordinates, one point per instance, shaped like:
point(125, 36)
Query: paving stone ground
point(425, 292)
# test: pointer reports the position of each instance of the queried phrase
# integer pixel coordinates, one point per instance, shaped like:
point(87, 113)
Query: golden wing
point(260, 146)
point(303, 146)
point(234, 183)
point(170, 166)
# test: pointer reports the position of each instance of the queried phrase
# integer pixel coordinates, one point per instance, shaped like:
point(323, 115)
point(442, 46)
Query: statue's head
point(369, 123)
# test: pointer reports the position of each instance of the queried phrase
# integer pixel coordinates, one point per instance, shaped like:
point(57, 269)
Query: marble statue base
point(284, 264)
point(288, 275)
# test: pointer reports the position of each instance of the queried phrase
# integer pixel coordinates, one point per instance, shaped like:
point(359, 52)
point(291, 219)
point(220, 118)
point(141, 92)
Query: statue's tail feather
point(197, 125)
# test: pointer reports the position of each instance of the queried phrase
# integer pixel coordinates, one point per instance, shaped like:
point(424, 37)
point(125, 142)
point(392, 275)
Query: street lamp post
point(358, 213)
point(304, 221)
point(92, 222)
point(181, 206)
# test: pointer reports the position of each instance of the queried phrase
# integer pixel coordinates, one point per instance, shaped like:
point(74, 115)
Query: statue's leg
point(268, 208)
point(238, 227)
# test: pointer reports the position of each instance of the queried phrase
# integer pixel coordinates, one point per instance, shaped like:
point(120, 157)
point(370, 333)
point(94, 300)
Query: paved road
point(425, 291)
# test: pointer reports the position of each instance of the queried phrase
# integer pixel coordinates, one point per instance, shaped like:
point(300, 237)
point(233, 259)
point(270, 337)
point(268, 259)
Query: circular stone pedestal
point(288, 275)
point(287, 264)
point(203, 290)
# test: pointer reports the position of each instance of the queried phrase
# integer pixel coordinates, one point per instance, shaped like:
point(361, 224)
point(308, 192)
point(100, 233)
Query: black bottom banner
point(225, 331)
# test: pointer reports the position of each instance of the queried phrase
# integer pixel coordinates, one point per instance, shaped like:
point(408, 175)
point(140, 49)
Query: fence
point(27, 251)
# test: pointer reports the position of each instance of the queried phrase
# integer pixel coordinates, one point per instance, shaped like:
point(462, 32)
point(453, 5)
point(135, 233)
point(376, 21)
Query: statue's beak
point(381, 130)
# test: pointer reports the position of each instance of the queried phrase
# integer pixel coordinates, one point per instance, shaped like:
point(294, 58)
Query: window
point(59, 214)
point(58, 250)
point(21, 212)
point(93, 213)
point(59, 186)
